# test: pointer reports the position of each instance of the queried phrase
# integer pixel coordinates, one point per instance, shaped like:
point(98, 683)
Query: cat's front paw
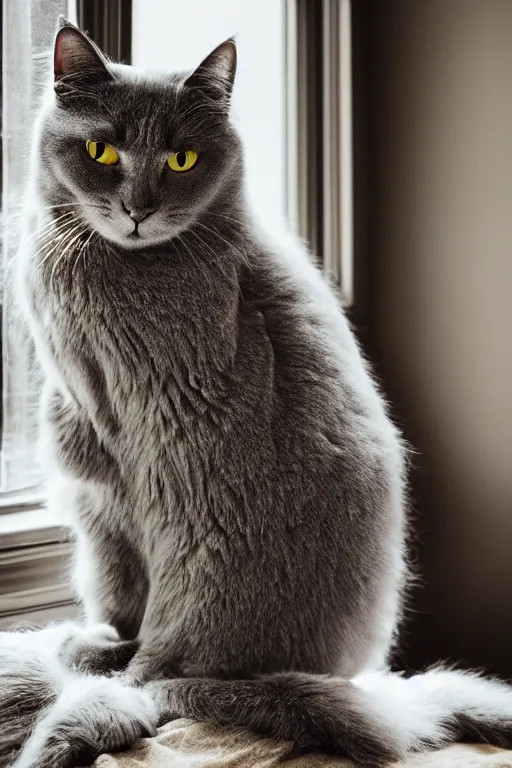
point(99, 634)
point(97, 650)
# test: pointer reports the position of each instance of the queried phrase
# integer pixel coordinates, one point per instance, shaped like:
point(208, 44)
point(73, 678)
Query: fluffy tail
point(52, 716)
point(30, 681)
point(374, 719)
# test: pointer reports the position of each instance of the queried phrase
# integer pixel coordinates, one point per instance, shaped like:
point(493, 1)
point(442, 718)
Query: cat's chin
point(134, 241)
point(138, 243)
point(138, 240)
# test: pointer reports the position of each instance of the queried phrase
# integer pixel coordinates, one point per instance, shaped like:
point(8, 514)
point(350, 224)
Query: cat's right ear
point(76, 56)
point(216, 74)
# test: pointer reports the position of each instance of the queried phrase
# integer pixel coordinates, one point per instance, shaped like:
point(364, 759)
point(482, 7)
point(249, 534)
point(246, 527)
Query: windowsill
point(15, 501)
point(34, 558)
point(30, 526)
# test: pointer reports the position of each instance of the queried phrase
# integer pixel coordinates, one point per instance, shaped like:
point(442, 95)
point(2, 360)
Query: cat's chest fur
point(137, 333)
point(175, 374)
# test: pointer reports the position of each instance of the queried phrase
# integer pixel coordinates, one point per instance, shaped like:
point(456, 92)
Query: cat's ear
point(63, 22)
point(75, 54)
point(216, 74)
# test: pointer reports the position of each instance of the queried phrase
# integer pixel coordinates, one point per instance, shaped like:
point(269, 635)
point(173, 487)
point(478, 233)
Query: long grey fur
point(233, 479)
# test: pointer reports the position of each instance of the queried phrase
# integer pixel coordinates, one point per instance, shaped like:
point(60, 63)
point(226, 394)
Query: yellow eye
point(182, 161)
point(102, 153)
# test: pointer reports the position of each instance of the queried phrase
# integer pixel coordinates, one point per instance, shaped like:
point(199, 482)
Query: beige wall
point(439, 196)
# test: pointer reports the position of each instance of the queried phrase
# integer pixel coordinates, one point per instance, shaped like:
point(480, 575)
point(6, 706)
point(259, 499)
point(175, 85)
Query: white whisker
point(56, 244)
point(223, 216)
point(43, 238)
point(67, 249)
point(189, 253)
point(47, 229)
point(82, 249)
point(59, 239)
point(230, 245)
point(210, 249)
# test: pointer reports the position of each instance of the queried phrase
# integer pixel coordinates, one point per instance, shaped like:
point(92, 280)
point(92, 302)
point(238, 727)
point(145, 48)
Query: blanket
point(187, 744)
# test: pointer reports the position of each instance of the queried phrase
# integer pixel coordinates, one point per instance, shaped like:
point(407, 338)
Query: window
point(292, 104)
point(29, 26)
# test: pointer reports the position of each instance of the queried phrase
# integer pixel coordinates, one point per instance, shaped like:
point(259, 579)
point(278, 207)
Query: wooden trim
point(319, 133)
point(35, 557)
point(109, 24)
point(35, 618)
point(28, 527)
point(34, 577)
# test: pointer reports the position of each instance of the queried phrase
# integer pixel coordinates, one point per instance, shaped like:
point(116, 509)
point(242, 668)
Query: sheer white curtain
point(28, 27)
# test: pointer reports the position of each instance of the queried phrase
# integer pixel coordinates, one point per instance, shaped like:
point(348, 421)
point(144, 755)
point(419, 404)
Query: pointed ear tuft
point(216, 74)
point(63, 22)
point(75, 54)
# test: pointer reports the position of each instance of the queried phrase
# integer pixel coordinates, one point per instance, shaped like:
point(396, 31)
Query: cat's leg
point(162, 644)
point(103, 571)
point(157, 655)
point(76, 444)
point(112, 591)
point(110, 578)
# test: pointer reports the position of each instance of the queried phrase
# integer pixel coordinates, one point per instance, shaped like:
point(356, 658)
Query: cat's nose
point(137, 214)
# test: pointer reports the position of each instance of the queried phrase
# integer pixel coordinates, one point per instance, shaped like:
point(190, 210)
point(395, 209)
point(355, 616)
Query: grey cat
point(235, 484)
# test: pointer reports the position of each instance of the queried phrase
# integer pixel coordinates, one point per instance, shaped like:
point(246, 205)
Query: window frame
point(109, 24)
point(319, 134)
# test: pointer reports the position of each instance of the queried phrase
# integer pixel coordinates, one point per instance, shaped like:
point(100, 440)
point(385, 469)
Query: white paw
point(134, 703)
point(88, 636)
point(98, 634)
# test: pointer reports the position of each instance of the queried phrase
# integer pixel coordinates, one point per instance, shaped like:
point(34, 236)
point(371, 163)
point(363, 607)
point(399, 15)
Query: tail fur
point(52, 716)
point(62, 716)
point(374, 719)
point(30, 681)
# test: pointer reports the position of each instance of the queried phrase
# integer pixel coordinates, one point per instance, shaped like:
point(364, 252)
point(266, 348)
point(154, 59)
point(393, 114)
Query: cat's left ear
point(216, 74)
point(75, 54)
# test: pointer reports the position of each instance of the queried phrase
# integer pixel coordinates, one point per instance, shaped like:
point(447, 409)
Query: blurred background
point(381, 132)
point(433, 132)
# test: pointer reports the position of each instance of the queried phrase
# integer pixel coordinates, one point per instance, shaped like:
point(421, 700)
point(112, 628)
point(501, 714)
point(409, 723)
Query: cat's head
point(137, 156)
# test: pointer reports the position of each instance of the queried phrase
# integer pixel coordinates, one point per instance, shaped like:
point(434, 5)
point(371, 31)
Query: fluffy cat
point(236, 486)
